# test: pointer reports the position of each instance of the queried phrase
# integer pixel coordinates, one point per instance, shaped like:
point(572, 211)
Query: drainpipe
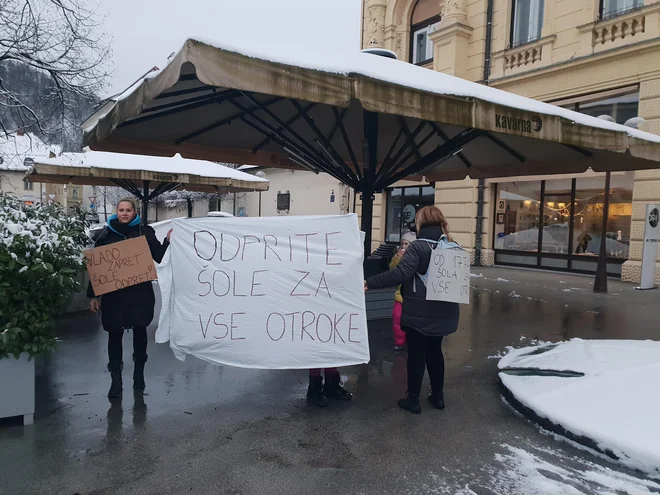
point(482, 183)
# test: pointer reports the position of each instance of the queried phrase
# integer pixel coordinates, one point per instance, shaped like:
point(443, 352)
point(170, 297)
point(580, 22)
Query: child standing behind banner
point(399, 335)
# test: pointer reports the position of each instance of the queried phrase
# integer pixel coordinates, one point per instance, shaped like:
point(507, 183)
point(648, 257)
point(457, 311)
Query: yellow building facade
point(600, 57)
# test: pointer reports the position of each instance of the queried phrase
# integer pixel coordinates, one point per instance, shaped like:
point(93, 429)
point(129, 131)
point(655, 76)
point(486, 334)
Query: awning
point(321, 112)
point(131, 171)
point(146, 177)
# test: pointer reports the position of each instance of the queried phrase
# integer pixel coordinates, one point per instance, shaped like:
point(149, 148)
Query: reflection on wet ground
point(208, 429)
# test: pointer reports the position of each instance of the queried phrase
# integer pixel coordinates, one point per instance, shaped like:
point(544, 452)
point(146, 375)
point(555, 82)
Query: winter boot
point(437, 400)
point(333, 389)
point(138, 371)
point(115, 368)
point(410, 403)
point(315, 392)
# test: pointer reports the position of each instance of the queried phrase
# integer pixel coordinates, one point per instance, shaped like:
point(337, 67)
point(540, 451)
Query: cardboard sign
point(449, 276)
point(120, 265)
point(269, 292)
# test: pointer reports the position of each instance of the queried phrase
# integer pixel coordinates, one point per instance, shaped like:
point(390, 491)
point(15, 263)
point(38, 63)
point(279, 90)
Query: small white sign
point(449, 276)
point(650, 252)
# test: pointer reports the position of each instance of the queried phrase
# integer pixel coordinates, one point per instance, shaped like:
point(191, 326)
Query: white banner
point(270, 292)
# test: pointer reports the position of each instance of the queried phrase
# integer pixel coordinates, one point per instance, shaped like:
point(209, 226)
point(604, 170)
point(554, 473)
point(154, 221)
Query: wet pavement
point(209, 429)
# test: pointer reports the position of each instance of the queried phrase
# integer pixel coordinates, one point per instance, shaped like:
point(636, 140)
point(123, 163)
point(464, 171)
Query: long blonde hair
point(431, 216)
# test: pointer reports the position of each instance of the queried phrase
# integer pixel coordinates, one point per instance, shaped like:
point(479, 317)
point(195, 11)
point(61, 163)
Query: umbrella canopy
point(111, 169)
point(146, 177)
point(230, 104)
point(368, 121)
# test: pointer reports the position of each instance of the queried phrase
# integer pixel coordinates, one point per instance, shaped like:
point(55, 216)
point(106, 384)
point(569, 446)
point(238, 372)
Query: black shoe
point(115, 368)
point(410, 403)
point(138, 371)
point(315, 392)
point(437, 401)
point(334, 390)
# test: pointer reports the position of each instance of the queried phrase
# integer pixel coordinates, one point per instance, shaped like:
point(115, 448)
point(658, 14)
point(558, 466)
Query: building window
point(588, 217)
point(518, 216)
point(403, 203)
point(422, 46)
point(556, 216)
point(527, 21)
point(612, 8)
point(570, 212)
point(74, 194)
point(425, 19)
point(28, 186)
point(283, 201)
point(620, 108)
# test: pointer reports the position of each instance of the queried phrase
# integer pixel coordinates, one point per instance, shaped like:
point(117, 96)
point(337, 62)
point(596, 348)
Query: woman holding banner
point(131, 307)
point(424, 322)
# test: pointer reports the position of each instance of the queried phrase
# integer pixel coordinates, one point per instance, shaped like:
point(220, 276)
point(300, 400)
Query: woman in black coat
point(425, 322)
point(131, 307)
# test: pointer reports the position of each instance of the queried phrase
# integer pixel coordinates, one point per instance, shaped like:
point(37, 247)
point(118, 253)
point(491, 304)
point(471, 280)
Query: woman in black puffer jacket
point(131, 307)
point(425, 322)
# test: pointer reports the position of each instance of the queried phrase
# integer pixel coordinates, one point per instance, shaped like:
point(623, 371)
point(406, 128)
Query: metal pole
point(370, 123)
point(259, 203)
point(145, 202)
point(600, 283)
point(234, 204)
point(480, 222)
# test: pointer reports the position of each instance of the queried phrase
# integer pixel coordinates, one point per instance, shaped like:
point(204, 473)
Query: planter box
point(17, 388)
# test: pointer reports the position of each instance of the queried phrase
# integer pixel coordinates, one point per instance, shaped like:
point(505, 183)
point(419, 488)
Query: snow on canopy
point(173, 165)
point(15, 148)
point(349, 63)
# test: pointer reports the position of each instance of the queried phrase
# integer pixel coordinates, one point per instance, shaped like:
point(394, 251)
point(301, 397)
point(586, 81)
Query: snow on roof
point(401, 73)
point(17, 147)
point(174, 165)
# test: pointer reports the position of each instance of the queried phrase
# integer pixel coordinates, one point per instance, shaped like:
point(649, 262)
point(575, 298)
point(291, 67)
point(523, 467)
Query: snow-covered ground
point(613, 400)
point(534, 470)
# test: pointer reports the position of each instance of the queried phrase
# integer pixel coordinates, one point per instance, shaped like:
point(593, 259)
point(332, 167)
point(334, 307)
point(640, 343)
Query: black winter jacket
point(134, 305)
point(431, 318)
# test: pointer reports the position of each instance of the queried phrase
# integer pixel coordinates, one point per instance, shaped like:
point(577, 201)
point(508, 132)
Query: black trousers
point(424, 352)
point(115, 349)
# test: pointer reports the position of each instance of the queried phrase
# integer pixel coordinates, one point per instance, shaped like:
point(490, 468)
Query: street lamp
point(261, 175)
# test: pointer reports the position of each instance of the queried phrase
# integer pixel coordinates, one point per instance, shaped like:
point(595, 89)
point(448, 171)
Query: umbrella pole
point(600, 283)
point(145, 202)
point(370, 151)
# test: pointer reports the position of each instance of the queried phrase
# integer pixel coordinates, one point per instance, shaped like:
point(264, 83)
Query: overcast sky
point(145, 32)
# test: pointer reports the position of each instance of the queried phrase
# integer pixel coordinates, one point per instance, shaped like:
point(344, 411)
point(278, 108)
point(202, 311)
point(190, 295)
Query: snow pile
point(514, 294)
point(615, 403)
point(476, 275)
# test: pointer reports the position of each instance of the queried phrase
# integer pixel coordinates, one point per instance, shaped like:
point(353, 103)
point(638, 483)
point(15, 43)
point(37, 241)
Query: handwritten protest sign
point(449, 276)
point(271, 292)
point(120, 265)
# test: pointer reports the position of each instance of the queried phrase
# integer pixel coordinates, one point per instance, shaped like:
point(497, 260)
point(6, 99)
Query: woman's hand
point(94, 304)
point(365, 286)
point(169, 232)
point(400, 252)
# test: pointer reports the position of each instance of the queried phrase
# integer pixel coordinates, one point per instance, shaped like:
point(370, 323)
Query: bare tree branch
point(60, 42)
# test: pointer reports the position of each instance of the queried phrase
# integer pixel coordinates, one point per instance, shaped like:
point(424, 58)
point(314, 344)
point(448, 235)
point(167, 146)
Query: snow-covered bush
point(40, 260)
